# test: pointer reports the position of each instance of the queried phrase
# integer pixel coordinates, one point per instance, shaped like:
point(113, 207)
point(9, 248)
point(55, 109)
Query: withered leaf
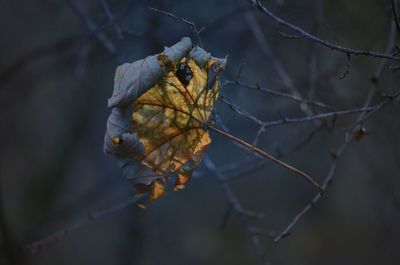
point(161, 106)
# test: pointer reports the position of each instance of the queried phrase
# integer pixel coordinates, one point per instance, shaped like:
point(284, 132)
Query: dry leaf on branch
point(161, 106)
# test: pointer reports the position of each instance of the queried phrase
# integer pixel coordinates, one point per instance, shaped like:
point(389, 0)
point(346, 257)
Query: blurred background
point(56, 73)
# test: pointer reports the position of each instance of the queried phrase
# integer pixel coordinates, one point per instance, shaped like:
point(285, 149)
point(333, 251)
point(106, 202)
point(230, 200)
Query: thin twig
point(111, 19)
point(347, 72)
point(226, 216)
point(268, 156)
point(322, 42)
point(277, 93)
point(395, 14)
point(363, 116)
point(391, 46)
point(61, 234)
point(284, 120)
point(313, 62)
point(317, 197)
point(278, 66)
point(241, 112)
point(92, 27)
point(237, 170)
point(260, 131)
point(222, 125)
point(239, 210)
point(184, 21)
point(287, 36)
point(328, 180)
point(318, 116)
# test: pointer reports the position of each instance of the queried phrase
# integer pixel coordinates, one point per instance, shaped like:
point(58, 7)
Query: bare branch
point(322, 42)
point(235, 170)
point(391, 46)
point(241, 112)
point(313, 62)
point(111, 19)
point(395, 14)
point(283, 120)
point(347, 72)
point(61, 234)
point(279, 68)
point(92, 27)
point(239, 210)
point(184, 21)
point(287, 36)
point(277, 93)
point(329, 178)
point(362, 117)
point(268, 156)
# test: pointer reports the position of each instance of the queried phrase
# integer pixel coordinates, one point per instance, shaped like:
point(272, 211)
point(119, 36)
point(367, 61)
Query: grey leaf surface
point(132, 80)
point(201, 57)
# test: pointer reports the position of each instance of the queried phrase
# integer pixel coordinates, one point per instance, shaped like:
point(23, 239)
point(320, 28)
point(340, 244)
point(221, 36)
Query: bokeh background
point(56, 77)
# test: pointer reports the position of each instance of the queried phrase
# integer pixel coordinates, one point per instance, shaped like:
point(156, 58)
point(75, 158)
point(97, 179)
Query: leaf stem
point(268, 156)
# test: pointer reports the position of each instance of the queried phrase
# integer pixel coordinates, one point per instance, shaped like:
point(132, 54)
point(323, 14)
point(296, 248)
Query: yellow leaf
point(182, 178)
point(170, 119)
point(157, 190)
point(116, 140)
point(161, 108)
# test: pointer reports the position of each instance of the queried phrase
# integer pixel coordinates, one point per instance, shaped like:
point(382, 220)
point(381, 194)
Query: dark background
point(56, 76)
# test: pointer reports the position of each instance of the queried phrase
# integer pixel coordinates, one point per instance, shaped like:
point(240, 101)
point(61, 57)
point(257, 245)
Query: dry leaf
point(161, 106)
